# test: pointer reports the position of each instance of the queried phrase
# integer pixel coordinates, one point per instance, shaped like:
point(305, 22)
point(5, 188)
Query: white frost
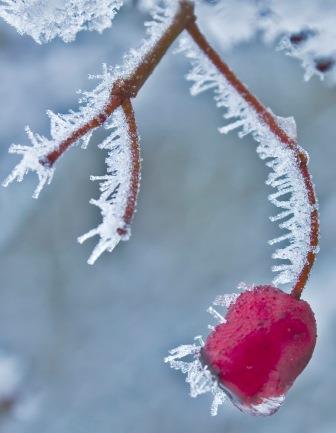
point(285, 178)
point(198, 375)
point(226, 300)
point(32, 157)
point(44, 20)
point(267, 407)
point(62, 126)
point(114, 187)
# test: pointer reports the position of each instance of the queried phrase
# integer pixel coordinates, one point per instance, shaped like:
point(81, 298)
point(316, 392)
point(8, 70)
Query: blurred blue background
point(94, 338)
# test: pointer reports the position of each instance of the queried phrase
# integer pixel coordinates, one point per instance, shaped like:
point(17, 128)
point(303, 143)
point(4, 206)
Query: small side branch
point(120, 186)
point(135, 166)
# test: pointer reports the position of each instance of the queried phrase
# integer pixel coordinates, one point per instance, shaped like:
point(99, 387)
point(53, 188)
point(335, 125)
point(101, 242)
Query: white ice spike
point(44, 20)
point(198, 375)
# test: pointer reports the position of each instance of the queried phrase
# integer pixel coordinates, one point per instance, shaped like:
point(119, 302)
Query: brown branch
point(129, 87)
point(135, 167)
point(267, 118)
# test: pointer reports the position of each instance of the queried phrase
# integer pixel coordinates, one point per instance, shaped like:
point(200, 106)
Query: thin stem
point(267, 118)
point(129, 87)
point(135, 166)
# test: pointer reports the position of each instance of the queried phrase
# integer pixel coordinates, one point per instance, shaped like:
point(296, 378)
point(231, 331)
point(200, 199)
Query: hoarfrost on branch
point(44, 20)
point(114, 188)
point(286, 178)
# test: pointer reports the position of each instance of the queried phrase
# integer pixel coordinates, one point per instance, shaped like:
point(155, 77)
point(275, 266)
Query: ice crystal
point(226, 300)
point(31, 161)
point(44, 20)
point(114, 188)
point(198, 376)
point(286, 178)
point(62, 126)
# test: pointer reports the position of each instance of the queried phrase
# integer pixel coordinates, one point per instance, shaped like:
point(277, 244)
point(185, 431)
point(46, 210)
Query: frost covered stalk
point(277, 144)
point(120, 187)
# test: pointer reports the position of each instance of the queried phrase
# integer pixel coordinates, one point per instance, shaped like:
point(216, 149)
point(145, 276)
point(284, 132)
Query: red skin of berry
point(266, 342)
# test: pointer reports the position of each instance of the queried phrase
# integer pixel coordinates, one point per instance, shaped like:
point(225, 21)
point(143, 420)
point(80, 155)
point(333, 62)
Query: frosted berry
point(266, 341)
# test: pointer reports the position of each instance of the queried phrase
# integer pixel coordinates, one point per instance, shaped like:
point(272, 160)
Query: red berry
point(265, 343)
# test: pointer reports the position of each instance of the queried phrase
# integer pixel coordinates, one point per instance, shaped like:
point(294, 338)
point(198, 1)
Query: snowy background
point(92, 339)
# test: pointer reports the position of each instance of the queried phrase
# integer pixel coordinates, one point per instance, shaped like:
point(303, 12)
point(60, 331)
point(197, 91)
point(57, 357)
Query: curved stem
point(267, 118)
point(135, 166)
point(95, 122)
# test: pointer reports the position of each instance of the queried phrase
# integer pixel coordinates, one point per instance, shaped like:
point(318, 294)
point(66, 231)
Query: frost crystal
point(31, 161)
point(226, 300)
point(286, 178)
point(43, 20)
point(199, 377)
point(114, 189)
